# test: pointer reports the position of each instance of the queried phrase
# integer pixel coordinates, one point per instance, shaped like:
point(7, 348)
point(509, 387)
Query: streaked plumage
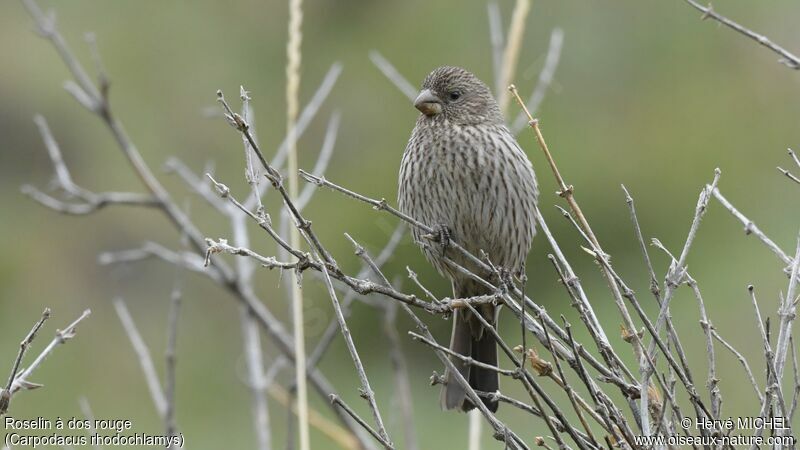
point(463, 169)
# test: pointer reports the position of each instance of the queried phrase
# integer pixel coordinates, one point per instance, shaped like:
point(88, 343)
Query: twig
point(742, 360)
point(787, 315)
point(257, 380)
point(545, 79)
point(21, 380)
point(294, 54)
point(708, 329)
point(196, 183)
point(90, 201)
point(655, 290)
point(366, 389)
point(323, 159)
point(403, 393)
point(496, 40)
point(86, 410)
point(185, 259)
point(516, 29)
point(393, 75)
point(463, 358)
point(5, 395)
point(304, 120)
point(750, 227)
point(568, 388)
point(788, 174)
point(333, 326)
point(413, 276)
point(170, 357)
point(342, 437)
point(221, 246)
point(794, 157)
point(787, 58)
point(143, 353)
point(795, 379)
point(339, 402)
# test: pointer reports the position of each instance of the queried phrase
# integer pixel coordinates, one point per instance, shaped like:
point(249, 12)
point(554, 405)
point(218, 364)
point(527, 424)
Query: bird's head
point(459, 96)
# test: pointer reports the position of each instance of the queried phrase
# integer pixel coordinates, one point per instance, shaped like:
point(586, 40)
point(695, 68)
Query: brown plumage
point(464, 173)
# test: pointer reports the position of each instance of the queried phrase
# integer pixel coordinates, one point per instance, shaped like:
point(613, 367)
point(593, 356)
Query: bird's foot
point(506, 278)
point(440, 235)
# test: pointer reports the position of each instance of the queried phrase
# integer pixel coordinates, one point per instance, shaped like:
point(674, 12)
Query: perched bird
point(464, 175)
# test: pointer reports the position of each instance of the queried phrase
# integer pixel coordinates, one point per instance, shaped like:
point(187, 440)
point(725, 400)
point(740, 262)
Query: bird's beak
point(428, 103)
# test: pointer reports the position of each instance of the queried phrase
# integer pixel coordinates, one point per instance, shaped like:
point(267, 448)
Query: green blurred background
point(646, 95)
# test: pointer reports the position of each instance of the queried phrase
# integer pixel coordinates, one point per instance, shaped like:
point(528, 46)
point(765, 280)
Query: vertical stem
point(511, 53)
point(475, 420)
point(292, 106)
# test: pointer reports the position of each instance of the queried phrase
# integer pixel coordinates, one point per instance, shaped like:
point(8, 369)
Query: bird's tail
point(469, 338)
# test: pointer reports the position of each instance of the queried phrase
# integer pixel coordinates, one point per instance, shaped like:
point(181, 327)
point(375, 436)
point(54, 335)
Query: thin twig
point(86, 410)
point(750, 227)
point(366, 389)
point(403, 394)
point(5, 395)
point(393, 75)
point(294, 54)
point(143, 353)
point(516, 30)
point(787, 58)
point(787, 314)
point(545, 79)
point(708, 329)
point(336, 400)
point(21, 380)
point(742, 360)
point(496, 40)
point(170, 369)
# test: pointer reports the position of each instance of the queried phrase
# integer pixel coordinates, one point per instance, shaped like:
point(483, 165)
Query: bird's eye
point(455, 95)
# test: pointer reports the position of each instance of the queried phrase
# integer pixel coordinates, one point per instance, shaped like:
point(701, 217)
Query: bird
point(464, 175)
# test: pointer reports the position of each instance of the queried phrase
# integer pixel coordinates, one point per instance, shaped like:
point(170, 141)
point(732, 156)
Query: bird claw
point(440, 235)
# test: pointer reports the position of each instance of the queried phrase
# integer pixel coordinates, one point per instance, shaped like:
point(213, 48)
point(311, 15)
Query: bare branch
point(403, 393)
point(186, 259)
point(143, 353)
point(708, 329)
point(89, 201)
point(791, 61)
point(787, 315)
point(22, 379)
point(496, 40)
point(742, 360)
point(788, 174)
point(393, 75)
point(303, 121)
point(5, 395)
point(336, 400)
point(366, 390)
point(750, 227)
point(170, 355)
point(516, 29)
point(545, 79)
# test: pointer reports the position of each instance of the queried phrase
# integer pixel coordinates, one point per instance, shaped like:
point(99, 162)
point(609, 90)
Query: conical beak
point(428, 103)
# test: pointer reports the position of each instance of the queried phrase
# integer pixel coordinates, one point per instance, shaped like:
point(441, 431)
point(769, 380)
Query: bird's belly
point(474, 204)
